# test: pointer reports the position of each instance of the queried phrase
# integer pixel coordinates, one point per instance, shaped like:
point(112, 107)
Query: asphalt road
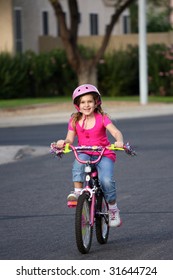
point(35, 223)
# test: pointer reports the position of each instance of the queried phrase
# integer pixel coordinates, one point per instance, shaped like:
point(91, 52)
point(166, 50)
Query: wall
point(32, 19)
point(6, 26)
point(117, 42)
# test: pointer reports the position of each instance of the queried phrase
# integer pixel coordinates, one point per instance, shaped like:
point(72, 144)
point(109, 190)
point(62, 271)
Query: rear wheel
point(102, 220)
point(83, 227)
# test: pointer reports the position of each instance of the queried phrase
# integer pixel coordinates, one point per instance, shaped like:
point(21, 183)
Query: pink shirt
point(95, 136)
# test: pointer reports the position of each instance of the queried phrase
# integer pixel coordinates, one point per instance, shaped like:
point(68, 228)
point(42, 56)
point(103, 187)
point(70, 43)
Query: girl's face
point(87, 105)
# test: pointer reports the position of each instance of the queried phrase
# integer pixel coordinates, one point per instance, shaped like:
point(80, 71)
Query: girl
point(89, 124)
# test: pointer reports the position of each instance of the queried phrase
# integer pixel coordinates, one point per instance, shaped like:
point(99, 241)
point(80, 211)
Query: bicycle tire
point(102, 220)
point(83, 228)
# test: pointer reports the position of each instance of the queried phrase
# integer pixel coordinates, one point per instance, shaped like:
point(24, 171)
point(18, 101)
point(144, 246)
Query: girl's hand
point(119, 144)
point(60, 144)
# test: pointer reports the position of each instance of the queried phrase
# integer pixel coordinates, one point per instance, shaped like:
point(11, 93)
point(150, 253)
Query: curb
point(32, 117)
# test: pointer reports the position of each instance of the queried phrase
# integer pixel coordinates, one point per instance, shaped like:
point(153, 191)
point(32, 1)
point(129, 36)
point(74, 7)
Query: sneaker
point(114, 218)
point(73, 196)
point(72, 199)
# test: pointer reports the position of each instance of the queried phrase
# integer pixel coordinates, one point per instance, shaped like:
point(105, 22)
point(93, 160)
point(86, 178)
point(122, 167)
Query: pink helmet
point(84, 89)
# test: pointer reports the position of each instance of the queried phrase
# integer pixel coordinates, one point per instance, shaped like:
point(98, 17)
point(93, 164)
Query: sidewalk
point(60, 113)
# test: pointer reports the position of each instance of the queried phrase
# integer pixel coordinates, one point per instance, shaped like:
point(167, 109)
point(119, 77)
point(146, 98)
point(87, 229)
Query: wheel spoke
point(102, 226)
point(86, 224)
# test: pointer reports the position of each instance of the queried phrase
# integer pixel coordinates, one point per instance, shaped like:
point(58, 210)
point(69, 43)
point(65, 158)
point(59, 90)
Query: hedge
point(49, 74)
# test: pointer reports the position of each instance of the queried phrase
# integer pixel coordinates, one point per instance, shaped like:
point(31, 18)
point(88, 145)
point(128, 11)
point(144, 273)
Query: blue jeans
point(105, 168)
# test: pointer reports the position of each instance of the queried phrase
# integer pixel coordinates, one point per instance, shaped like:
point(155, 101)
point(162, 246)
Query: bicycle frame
point(88, 175)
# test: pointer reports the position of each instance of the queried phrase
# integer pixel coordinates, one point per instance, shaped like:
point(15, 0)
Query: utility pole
point(143, 71)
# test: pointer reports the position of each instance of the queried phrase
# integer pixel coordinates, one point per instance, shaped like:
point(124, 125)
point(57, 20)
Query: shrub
point(31, 75)
point(160, 68)
point(13, 72)
point(49, 74)
point(118, 75)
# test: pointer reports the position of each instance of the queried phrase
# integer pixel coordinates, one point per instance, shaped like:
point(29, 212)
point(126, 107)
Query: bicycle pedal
point(72, 203)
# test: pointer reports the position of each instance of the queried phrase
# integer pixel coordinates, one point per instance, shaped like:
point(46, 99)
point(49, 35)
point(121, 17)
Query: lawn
point(15, 103)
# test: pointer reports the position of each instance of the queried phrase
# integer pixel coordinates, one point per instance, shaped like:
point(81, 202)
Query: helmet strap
point(83, 123)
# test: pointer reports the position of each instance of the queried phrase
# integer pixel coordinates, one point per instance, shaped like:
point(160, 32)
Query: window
point(79, 18)
point(94, 24)
point(45, 22)
point(126, 24)
point(18, 30)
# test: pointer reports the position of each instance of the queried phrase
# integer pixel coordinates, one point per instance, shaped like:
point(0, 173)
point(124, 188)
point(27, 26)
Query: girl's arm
point(69, 139)
point(116, 133)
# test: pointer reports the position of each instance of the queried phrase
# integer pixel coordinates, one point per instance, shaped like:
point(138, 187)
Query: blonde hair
point(78, 115)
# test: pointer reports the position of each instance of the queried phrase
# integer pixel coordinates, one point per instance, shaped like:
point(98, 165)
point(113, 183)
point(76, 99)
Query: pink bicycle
point(91, 207)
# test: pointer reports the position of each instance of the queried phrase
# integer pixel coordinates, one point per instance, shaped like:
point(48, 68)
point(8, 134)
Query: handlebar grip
point(66, 149)
point(113, 148)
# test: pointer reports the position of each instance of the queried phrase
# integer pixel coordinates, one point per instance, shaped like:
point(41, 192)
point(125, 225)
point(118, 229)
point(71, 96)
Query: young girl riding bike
point(89, 124)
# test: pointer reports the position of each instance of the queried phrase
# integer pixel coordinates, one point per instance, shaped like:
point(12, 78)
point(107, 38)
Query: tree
point(85, 69)
point(158, 16)
point(159, 21)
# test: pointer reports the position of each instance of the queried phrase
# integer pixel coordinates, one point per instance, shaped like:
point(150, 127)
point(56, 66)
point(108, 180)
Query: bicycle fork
point(92, 199)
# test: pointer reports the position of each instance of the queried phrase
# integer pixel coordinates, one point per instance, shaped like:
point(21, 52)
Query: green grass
point(17, 103)
point(161, 99)
point(151, 99)
point(25, 102)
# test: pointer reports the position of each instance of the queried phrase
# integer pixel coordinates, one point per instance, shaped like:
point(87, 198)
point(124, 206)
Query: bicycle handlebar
point(68, 148)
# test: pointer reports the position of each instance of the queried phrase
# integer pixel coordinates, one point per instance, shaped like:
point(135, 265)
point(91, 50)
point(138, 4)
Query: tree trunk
point(87, 75)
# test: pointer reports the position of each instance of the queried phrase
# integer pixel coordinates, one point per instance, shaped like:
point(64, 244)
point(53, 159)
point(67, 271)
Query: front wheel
point(83, 226)
point(102, 220)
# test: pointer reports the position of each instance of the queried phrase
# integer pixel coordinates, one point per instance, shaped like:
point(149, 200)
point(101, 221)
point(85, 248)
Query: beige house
point(23, 23)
